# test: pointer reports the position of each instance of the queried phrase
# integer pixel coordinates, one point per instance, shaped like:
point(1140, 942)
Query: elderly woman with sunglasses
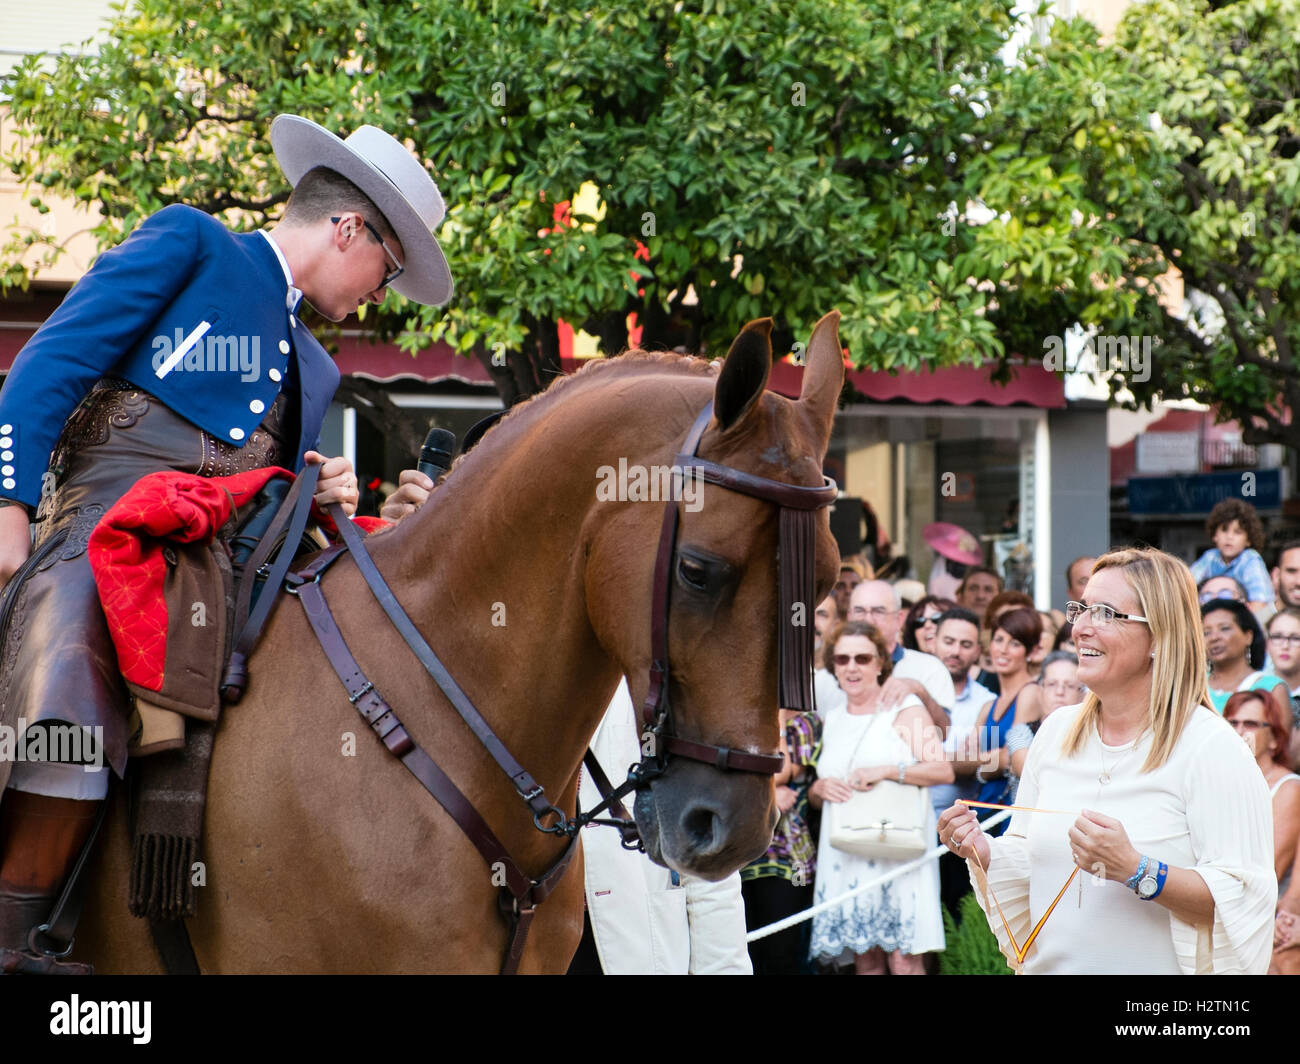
point(863, 743)
point(1145, 842)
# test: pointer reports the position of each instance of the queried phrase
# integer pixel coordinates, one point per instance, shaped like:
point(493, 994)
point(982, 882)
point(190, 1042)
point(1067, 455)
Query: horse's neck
point(492, 570)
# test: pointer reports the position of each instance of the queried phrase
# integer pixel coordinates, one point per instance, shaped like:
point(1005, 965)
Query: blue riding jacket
point(200, 317)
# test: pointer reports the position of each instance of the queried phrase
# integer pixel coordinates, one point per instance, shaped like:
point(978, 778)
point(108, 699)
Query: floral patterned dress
point(904, 913)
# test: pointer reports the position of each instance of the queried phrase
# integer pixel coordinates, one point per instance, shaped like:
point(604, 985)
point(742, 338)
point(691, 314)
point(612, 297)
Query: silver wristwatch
point(1148, 886)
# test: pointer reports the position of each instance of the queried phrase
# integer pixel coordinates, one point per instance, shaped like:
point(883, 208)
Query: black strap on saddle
point(290, 522)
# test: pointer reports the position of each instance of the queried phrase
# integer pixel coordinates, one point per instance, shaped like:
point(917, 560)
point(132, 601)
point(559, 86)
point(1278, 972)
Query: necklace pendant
point(1103, 777)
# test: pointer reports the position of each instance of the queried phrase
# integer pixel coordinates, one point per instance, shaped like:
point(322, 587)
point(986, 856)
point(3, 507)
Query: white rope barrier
point(911, 866)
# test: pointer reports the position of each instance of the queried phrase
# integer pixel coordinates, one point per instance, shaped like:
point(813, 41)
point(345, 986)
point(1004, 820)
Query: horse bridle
point(796, 553)
point(521, 894)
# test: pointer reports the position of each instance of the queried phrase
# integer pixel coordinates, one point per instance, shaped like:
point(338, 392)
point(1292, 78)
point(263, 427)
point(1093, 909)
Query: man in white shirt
point(914, 673)
point(957, 641)
point(643, 919)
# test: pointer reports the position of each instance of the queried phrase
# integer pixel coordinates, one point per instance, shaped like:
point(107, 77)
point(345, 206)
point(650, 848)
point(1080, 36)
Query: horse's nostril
point(701, 826)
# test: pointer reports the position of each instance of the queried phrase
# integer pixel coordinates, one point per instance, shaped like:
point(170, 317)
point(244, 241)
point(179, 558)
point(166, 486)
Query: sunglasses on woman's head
point(860, 659)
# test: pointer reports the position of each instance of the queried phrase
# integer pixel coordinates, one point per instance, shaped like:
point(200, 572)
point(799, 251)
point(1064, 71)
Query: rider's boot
point(40, 839)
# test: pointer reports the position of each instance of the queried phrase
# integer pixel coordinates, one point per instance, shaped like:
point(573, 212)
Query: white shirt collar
point(294, 296)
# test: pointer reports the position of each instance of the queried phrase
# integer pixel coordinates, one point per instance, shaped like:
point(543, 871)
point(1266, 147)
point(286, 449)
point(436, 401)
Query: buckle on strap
point(41, 950)
point(295, 582)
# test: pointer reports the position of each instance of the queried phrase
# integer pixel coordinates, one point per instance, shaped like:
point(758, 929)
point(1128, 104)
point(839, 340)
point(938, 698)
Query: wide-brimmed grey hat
point(393, 179)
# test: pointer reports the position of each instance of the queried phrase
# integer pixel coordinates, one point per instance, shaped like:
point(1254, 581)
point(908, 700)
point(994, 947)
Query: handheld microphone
point(436, 454)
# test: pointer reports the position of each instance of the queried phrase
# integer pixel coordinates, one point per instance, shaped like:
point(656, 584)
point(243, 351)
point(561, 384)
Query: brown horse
point(322, 854)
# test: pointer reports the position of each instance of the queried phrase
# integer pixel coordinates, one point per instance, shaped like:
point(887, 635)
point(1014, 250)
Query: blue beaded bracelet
point(1132, 880)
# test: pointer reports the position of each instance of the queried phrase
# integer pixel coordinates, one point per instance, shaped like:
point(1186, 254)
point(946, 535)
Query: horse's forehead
point(781, 443)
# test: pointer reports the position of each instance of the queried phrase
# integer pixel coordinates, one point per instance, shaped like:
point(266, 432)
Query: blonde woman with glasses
point(1141, 799)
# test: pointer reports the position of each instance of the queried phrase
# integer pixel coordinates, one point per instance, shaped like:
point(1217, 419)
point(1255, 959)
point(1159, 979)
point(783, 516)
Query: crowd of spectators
point(949, 693)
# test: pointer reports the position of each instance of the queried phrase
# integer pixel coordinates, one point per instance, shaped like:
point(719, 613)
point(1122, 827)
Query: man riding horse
point(180, 349)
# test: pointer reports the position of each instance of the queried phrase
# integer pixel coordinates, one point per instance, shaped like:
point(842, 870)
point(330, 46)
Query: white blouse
point(1207, 808)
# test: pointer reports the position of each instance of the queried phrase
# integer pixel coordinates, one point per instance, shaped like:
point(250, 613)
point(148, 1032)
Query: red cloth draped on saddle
point(165, 582)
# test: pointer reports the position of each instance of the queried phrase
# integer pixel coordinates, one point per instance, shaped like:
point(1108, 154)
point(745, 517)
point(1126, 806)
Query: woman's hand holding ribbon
point(960, 831)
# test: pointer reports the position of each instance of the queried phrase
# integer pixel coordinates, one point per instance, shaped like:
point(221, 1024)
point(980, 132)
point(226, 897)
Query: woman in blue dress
point(1015, 637)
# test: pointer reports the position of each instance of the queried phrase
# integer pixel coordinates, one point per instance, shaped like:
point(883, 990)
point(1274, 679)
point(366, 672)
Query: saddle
point(178, 553)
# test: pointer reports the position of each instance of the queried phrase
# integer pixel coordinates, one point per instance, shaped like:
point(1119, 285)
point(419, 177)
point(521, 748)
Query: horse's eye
point(693, 574)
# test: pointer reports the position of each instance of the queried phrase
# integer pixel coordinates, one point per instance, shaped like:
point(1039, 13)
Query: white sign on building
point(1168, 452)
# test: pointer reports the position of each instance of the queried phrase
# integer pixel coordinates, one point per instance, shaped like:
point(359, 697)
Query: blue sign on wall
point(1194, 495)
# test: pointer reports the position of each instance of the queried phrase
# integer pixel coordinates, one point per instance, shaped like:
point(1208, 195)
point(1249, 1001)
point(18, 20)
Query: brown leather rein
point(522, 894)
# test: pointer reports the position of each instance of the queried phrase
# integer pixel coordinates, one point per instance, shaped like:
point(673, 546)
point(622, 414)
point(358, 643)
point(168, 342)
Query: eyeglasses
point(1250, 725)
point(874, 611)
point(397, 270)
point(860, 659)
point(1285, 640)
point(1100, 613)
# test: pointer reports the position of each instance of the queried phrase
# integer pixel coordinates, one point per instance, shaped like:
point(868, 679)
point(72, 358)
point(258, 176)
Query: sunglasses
point(397, 270)
point(929, 618)
point(860, 659)
point(1250, 725)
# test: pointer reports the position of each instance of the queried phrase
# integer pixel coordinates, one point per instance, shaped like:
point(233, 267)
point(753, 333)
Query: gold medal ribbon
point(1021, 951)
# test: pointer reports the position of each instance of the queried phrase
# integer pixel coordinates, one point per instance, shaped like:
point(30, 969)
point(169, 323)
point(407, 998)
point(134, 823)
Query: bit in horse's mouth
point(645, 812)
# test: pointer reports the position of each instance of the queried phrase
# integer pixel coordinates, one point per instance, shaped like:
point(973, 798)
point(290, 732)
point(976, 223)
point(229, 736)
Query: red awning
point(1030, 385)
point(387, 362)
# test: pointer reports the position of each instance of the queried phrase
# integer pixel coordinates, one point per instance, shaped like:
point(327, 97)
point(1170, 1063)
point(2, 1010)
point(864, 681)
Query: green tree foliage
point(1180, 143)
point(1226, 216)
point(771, 158)
point(763, 159)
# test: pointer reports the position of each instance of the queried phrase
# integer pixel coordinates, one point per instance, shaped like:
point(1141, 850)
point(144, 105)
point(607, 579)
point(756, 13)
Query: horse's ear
point(823, 375)
point(744, 374)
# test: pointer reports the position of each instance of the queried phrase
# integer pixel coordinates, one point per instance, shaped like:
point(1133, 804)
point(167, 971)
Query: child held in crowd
point(1238, 538)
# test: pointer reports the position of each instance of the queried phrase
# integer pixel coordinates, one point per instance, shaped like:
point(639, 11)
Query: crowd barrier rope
point(911, 866)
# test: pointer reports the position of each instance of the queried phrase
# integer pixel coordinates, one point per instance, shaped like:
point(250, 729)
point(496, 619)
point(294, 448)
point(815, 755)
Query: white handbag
point(887, 822)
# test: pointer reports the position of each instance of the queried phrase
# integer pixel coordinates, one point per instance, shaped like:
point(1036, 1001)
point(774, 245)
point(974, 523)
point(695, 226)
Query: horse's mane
point(630, 363)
